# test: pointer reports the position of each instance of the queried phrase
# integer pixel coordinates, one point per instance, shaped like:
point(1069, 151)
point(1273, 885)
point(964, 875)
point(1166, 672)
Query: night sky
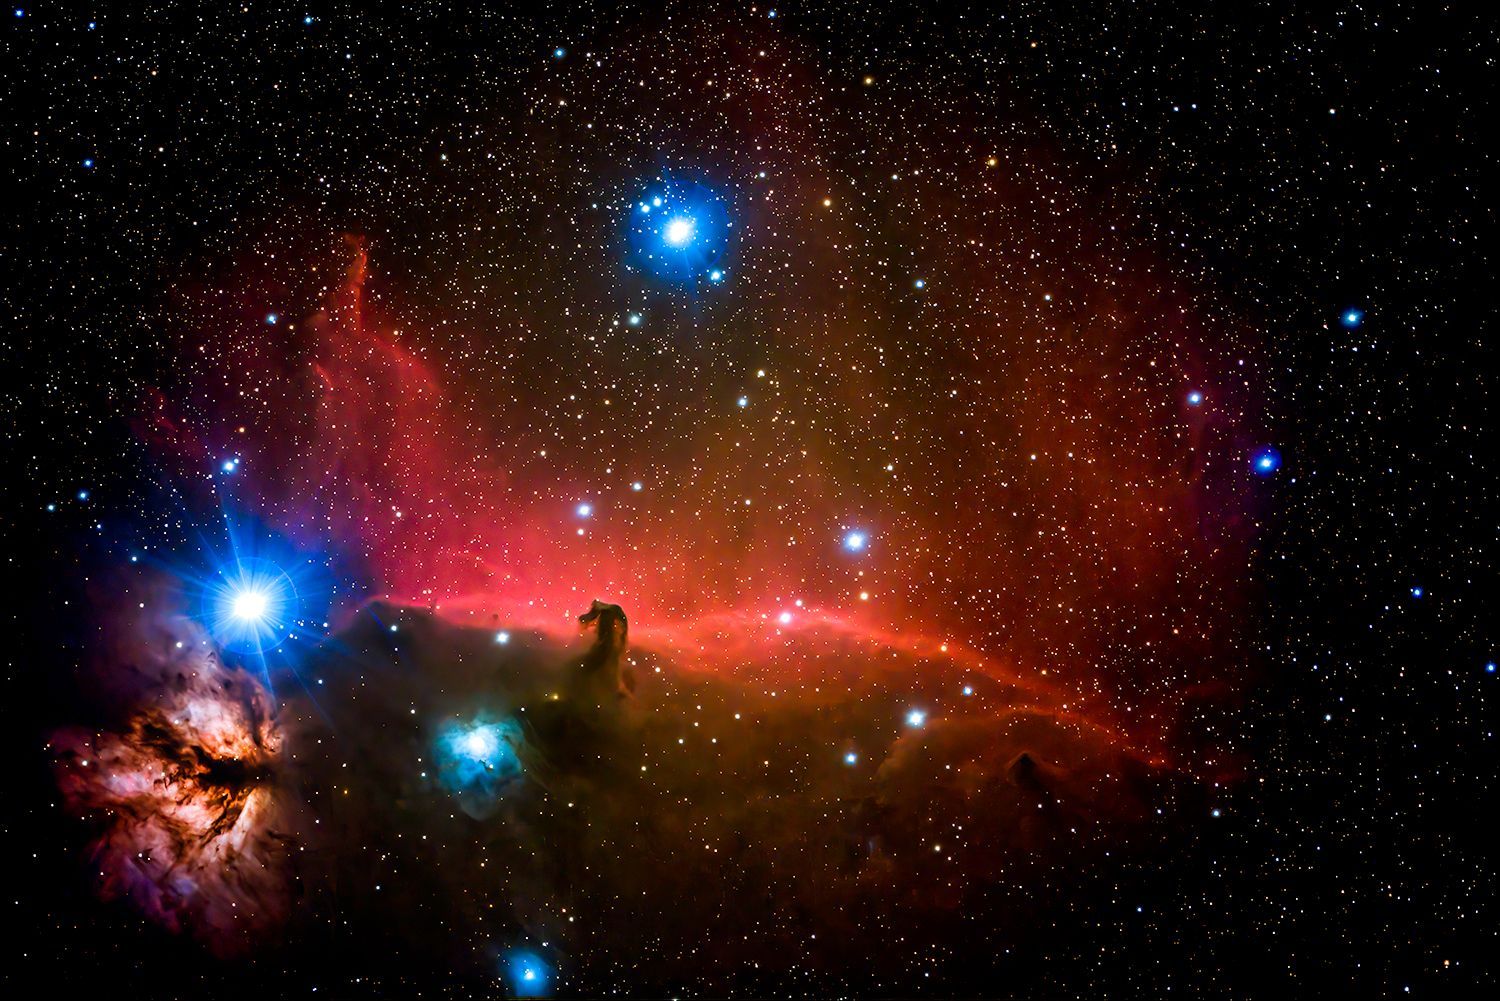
point(725, 499)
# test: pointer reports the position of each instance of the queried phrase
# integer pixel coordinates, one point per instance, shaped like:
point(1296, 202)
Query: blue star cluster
point(681, 232)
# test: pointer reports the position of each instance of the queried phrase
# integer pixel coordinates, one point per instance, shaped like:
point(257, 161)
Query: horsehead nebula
point(726, 563)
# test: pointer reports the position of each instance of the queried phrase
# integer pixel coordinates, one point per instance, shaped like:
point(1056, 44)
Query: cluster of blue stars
point(682, 233)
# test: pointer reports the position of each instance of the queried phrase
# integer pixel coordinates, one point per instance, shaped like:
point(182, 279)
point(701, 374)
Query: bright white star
point(250, 606)
point(679, 231)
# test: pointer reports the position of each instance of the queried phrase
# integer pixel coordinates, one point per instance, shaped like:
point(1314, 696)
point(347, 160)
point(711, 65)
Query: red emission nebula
point(931, 553)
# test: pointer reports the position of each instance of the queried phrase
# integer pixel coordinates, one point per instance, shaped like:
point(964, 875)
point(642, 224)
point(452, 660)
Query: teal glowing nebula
point(479, 761)
point(529, 974)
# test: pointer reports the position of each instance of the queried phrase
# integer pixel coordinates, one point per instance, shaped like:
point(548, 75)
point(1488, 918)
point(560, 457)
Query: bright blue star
point(1352, 318)
point(502, 637)
point(678, 231)
point(585, 509)
point(1417, 592)
point(1194, 398)
point(681, 232)
point(271, 318)
point(850, 758)
point(249, 605)
point(88, 164)
point(916, 718)
point(855, 541)
point(743, 401)
point(1266, 461)
point(559, 52)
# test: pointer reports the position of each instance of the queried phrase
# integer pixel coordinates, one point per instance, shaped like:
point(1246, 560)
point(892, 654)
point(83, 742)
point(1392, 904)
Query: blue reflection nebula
point(681, 232)
point(1266, 461)
point(478, 761)
point(530, 975)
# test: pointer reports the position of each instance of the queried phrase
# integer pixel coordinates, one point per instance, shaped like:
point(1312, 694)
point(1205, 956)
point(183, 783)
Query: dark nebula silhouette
point(685, 810)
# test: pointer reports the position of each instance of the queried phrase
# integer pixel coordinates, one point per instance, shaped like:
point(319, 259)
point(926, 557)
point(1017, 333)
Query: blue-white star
point(679, 231)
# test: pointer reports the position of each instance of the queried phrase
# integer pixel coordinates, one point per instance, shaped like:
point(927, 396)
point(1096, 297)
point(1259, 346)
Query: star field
point(729, 499)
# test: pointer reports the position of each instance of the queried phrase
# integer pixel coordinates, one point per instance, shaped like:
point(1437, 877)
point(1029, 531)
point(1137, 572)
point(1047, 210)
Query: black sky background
point(1356, 857)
